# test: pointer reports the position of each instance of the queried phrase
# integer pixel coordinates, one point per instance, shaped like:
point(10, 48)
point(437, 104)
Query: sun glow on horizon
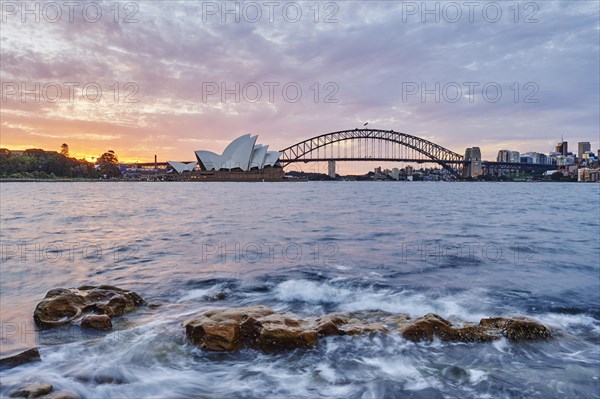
point(89, 156)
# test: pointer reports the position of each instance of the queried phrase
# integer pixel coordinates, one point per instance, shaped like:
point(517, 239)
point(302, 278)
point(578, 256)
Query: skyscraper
point(561, 147)
point(582, 147)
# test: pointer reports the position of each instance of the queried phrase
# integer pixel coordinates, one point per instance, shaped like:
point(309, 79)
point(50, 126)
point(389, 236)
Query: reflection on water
point(464, 251)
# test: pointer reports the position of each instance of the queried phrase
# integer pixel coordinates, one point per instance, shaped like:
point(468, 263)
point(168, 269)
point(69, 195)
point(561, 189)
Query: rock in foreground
point(64, 306)
point(32, 391)
point(259, 327)
point(517, 329)
point(41, 391)
point(28, 356)
point(97, 322)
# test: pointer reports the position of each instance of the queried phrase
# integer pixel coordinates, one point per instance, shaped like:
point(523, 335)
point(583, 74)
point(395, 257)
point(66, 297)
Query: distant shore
point(58, 180)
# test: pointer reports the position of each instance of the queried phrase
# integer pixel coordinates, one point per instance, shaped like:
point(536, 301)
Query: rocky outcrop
point(258, 327)
point(64, 306)
point(261, 328)
point(41, 391)
point(433, 326)
point(28, 356)
point(517, 329)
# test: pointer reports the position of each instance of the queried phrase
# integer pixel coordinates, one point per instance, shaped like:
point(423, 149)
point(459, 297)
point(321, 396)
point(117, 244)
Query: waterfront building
point(502, 156)
point(513, 156)
point(526, 158)
point(181, 167)
point(508, 156)
point(536, 158)
point(588, 175)
point(561, 160)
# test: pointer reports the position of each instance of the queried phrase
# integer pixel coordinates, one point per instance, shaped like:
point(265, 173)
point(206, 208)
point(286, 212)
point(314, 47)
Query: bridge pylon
point(472, 166)
point(331, 169)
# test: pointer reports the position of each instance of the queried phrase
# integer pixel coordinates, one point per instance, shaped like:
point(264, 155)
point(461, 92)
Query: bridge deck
point(380, 159)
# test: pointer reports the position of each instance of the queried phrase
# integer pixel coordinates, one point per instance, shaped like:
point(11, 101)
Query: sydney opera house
point(242, 153)
point(243, 159)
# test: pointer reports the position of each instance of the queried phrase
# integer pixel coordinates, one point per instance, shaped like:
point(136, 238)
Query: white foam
point(476, 376)
point(327, 372)
point(461, 305)
point(402, 370)
point(201, 293)
point(341, 267)
point(501, 345)
point(568, 321)
point(310, 292)
point(292, 382)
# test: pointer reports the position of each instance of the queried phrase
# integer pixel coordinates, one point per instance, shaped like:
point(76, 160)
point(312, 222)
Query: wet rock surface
point(28, 356)
point(32, 391)
point(97, 322)
point(517, 329)
point(63, 306)
point(41, 391)
point(259, 327)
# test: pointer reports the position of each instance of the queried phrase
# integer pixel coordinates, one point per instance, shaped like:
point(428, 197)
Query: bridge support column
point(472, 166)
point(331, 169)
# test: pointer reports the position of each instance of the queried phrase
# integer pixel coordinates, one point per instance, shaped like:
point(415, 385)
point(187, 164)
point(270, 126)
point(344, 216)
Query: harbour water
point(462, 250)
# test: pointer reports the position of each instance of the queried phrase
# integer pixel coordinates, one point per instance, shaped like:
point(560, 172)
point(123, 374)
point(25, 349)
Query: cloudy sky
point(169, 73)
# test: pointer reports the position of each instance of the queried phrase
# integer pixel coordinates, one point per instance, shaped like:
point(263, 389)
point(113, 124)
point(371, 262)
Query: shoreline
point(269, 181)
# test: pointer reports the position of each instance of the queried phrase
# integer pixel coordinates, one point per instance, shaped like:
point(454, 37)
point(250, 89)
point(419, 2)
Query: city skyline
point(171, 67)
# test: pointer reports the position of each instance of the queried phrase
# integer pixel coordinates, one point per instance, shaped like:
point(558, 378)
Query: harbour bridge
point(372, 145)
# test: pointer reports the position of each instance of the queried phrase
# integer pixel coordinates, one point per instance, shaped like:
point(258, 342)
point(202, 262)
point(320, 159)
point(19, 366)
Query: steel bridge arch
point(448, 159)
